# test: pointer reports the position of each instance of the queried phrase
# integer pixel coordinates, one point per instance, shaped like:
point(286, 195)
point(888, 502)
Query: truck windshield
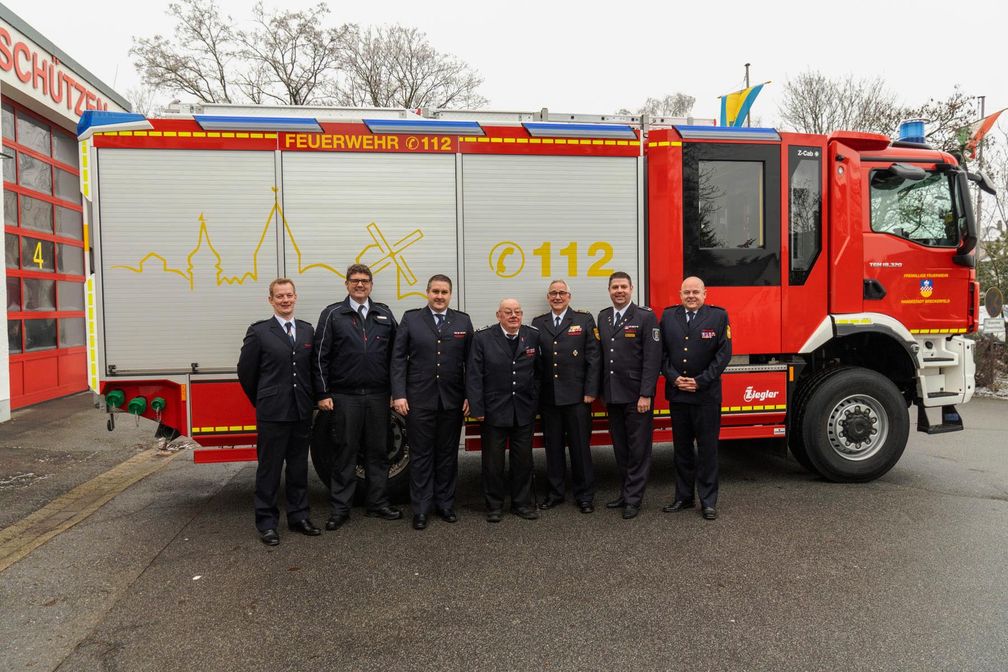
point(926, 211)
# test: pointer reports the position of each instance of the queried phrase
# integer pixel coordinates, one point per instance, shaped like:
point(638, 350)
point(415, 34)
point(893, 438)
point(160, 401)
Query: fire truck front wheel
point(855, 425)
point(321, 449)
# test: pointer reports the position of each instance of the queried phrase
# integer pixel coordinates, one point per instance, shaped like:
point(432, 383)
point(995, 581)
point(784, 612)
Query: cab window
point(924, 211)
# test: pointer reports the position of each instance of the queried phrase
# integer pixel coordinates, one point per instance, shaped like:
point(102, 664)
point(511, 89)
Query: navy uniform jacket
point(275, 377)
point(631, 354)
point(502, 388)
point(700, 350)
point(571, 358)
point(350, 357)
point(429, 364)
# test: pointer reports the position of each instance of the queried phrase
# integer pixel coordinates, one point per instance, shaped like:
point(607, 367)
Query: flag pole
point(983, 101)
point(747, 121)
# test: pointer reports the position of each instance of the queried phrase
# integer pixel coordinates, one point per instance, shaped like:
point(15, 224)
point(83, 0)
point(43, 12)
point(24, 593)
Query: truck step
point(941, 395)
point(951, 420)
point(931, 360)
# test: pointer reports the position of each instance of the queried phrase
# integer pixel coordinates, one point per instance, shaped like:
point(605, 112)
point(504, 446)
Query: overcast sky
point(591, 57)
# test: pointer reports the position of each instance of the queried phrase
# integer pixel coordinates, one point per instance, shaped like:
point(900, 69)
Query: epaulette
point(648, 309)
point(583, 312)
point(531, 327)
point(708, 305)
point(460, 312)
point(671, 307)
point(381, 305)
point(489, 326)
point(411, 310)
point(260, 321)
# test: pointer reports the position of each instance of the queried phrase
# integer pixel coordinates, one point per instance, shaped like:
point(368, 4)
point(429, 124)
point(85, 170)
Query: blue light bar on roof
point(429, 126)
point(290, 124)
point(548, 129)
point(727, 133)
point(99, 121)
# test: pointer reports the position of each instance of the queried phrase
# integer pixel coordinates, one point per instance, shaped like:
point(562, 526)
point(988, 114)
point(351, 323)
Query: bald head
point(693, 293)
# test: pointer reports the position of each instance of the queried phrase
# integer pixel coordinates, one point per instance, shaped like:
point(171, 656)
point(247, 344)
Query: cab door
point(731, 231)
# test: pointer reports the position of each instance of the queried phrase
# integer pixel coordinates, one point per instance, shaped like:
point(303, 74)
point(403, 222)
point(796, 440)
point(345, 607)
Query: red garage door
point(44, 241)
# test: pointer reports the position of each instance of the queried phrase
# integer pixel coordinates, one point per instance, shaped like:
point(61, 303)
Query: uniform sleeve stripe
point(325, 328)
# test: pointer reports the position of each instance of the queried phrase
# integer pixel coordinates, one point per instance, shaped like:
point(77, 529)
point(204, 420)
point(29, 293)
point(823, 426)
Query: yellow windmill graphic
point(379, 255)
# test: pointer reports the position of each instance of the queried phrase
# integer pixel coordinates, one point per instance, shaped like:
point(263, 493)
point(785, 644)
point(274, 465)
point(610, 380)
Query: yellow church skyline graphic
point(379, 255)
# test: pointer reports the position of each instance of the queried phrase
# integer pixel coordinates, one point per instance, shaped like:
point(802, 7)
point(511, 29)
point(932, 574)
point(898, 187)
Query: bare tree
point(814, 103)
point(396, 66)
point(944, 117)
point(676, 104)
point(289, 57)
point(144, 100)
point(198, 59)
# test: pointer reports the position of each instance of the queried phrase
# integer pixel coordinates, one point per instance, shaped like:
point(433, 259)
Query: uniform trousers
point(517, 440)
point(568, 427)
point(699, 423)
point(433, 436)
point(280, 442)
point(360, 423)
point(631, 437)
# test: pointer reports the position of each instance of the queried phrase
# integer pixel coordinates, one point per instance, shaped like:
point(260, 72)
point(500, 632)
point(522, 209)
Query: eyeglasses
point(507, 312)
point(359, 281)
point(555, 294)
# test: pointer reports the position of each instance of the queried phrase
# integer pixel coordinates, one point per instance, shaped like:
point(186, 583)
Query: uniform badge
point(530, 352)
point(459, 334)
point(656, 334)
point(574, 354)
point(728, 331)
point(707, 333)
point(574, 330)
point(597, 337)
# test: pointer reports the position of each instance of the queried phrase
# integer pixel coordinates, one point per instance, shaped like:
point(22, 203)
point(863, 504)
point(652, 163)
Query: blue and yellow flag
point(735, 106)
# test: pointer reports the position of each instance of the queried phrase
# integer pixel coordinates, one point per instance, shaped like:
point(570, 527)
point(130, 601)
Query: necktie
point(556, 321)
point(439, 318)
point(289, 326)
point(689, 316)
point(616, 317)
point(362, 311)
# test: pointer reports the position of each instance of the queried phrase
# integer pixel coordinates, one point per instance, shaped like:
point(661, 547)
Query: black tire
point(854, 425)
point(321, 449)
point(796, 442)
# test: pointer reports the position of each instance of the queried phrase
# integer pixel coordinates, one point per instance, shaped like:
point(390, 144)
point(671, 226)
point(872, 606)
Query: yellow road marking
point(59, 515)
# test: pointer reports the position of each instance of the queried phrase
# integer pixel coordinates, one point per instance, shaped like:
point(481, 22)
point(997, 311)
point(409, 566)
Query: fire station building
point(44, 92)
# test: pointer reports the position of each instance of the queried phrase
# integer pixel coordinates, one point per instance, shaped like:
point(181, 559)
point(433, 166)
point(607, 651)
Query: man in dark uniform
point(428, 388)
point(502, 382)
point(570, 352)
point(696, 340)
point(353, 348)
point(631, 359)
point(274, 369)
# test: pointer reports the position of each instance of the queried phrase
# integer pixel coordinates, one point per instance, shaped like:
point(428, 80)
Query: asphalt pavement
point(905, 573)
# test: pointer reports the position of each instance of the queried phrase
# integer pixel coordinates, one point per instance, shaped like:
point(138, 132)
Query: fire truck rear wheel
point(855, 425)
point(321, 449)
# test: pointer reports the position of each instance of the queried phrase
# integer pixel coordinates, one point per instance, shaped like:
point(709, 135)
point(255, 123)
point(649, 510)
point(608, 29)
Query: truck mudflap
point(951, 421)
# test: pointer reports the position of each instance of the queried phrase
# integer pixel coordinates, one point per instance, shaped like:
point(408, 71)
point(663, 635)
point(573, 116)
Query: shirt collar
point(283, 322)
point(433, 312)
point(562, 315)
point(506, 334)
point(356, 306)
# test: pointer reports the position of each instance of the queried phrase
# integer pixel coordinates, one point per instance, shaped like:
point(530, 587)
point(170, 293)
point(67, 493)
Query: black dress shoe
point(385, 513)
point(586, 507)
point(615, 504)
point(494, 516)
point(709, 513)
point(550, 502)
point(448, 515)
point(269, 537)
point(420, 521)
point(526, 512)
point(630, 511)
point(678, 505)
point(335, 522)
point(305, 527)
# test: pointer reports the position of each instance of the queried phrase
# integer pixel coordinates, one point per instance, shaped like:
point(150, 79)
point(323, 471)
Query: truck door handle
point(873, 289)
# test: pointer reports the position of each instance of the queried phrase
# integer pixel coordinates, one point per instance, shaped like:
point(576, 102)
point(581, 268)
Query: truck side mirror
point(983, 182)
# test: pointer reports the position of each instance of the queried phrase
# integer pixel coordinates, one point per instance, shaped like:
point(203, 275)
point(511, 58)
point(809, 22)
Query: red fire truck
point(845, 262)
